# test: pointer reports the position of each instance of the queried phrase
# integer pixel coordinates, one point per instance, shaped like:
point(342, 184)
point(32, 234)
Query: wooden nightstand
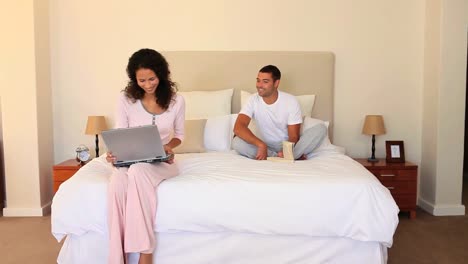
point(63, 171)
point(400, 178)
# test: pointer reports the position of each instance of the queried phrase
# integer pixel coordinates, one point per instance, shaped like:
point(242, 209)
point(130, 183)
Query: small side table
point(63, 171)
point(400, 178)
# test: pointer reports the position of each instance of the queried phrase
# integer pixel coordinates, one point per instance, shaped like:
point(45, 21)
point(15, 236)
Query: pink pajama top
point(170, 123)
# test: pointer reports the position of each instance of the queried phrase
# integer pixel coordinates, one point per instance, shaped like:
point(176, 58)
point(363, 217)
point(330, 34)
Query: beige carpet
point(27, 240)
point(432, 239)
point(427, 239)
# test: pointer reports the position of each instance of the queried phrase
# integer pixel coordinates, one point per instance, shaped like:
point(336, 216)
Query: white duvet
point(329, 195)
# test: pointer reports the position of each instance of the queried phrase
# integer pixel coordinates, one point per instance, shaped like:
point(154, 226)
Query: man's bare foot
point(280, 154)
point(303, 157)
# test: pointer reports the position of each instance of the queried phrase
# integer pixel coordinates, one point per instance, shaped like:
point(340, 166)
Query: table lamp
point(95, 125)
point(373, 125)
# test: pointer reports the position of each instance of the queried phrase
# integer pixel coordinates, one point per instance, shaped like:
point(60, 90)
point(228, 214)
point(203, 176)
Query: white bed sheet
point(330, 195)
point(231, 248)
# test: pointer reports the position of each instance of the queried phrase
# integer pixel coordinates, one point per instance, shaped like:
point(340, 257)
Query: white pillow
point(245, 97)
point(206, 104)
point(305, 101)
point(218, 133)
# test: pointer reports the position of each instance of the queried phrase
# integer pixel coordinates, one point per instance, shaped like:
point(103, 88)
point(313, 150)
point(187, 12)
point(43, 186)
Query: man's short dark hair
point(273, 70)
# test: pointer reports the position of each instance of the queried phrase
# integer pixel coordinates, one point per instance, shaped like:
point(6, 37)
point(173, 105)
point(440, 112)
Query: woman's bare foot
point(145, 259)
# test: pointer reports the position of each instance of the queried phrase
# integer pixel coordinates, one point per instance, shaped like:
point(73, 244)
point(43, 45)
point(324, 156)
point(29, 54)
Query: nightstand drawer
point(63, 175)
point(405, 201)
point(57, 185)
point(64, 171)
point(400, 178)
point(395, 175)
point(395, 187)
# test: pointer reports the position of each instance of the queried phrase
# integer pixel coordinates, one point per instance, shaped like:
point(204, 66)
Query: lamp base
point(372, 160)
point(97, 146)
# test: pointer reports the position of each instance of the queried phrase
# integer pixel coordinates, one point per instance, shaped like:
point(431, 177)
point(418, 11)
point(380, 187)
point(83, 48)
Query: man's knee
point(234, 141)
point(238, 144)
point(243, 148)
point(316, 132)
point(310, 140)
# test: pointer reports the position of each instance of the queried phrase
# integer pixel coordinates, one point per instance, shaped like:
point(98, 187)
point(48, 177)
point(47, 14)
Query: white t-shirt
point(272, 120)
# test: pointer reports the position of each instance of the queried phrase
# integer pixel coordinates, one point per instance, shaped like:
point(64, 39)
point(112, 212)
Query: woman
point(149, 98)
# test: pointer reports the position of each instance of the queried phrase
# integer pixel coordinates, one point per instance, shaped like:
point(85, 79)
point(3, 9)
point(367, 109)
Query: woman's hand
point(110, 158)
point(169, 151)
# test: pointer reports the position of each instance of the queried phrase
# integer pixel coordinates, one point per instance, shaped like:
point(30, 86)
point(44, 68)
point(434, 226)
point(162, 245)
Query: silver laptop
point(135, 144)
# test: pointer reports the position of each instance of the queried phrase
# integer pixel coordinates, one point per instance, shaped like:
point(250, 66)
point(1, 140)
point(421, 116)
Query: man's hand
point(262, 152)
point(242, 131)
point(168, 151)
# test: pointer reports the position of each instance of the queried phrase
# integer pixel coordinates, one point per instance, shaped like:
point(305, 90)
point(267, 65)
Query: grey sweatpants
point(310, 140)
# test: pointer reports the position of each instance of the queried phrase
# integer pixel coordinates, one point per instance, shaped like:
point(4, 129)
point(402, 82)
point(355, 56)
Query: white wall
point(378, 47)
point(430, 95)
point(44, 128)
point(2, 164)
point(444, 104)
point(452, 98)
point(26, 107)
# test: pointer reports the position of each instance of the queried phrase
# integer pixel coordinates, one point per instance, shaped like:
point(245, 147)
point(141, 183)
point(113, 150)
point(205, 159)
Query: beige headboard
point(301, 73)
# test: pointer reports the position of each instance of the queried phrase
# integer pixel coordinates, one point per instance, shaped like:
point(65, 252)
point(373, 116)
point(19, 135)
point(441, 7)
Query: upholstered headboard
point(302, 73)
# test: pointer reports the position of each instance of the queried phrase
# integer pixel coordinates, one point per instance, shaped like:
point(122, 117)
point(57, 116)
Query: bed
point(225, 208)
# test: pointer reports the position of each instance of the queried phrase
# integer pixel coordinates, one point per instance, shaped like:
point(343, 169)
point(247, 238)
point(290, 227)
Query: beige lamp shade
point(373, 125)
point(95, 125)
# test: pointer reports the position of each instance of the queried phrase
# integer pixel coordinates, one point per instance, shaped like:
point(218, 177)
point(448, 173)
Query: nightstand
point(63, 171)
point(400, 178)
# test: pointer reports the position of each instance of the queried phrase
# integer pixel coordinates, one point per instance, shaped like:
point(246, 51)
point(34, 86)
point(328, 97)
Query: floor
point(432, 239)
point(427, 239)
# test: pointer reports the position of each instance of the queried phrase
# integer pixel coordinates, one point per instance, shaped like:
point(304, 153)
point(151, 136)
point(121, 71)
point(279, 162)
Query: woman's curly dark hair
point(153, 60)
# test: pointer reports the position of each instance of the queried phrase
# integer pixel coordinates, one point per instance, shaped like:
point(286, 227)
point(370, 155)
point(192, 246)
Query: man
point(278, 117)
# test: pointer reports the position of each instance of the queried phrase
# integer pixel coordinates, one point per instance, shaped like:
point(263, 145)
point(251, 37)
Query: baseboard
point(441, 209)
point(426, 206)
point(17, 212)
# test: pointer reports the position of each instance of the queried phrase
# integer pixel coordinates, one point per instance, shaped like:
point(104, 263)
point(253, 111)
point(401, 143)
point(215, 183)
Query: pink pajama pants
point(132, 202)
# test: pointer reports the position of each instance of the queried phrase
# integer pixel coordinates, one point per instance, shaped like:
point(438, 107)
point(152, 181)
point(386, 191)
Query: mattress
point(329, 195)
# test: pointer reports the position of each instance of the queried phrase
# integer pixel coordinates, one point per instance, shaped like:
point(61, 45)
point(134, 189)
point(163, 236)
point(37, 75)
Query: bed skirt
point(231, 248)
